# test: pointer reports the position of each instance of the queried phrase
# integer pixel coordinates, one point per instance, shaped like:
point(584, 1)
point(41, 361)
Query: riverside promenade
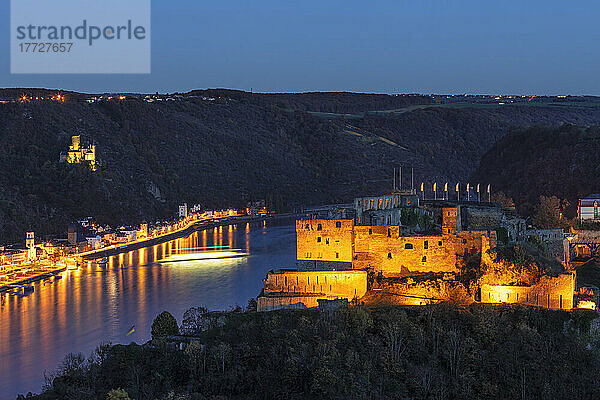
point(195, 225)
point(19, 280)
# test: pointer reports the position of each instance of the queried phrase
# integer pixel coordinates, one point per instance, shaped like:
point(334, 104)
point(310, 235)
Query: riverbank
point(195, 226)
point(101, 303)
point(28, 277)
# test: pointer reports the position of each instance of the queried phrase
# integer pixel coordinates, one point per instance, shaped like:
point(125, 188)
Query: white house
point(95, 242)
point(589, 208)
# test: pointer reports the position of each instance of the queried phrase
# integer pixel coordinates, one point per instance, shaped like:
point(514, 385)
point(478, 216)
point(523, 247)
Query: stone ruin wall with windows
point(303, 288)
point(384, 249)
point(352, 249)
point(325, 240)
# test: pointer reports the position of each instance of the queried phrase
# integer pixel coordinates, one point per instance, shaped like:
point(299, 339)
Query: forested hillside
point(434, 352)
point(225, 152)
point(528, 163)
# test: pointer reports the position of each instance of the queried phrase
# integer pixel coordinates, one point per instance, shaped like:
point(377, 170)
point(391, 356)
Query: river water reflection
point(101, 302)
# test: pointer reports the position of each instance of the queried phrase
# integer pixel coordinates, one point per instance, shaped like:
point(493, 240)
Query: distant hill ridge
point(240, 147)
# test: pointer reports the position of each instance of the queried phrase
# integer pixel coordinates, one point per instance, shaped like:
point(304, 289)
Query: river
point(100, 303)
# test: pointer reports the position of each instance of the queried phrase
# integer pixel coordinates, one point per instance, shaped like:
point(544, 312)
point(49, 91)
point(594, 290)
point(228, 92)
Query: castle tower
point(450, 220)
point(75, 140)
point(30, 244)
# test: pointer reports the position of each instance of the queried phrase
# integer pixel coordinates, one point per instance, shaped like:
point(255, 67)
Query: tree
point(500, 197)
point(196, 356)
point(193, 321)
point(547, 212)
point(117, 394)
point(220, 354)
point(252, 305)
point(164, 325)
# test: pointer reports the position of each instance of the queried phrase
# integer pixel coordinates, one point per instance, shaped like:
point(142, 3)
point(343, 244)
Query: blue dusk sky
point(395, 46)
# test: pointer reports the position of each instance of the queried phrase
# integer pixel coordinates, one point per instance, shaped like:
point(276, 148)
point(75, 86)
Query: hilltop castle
point(78, 154)
point(339, 258)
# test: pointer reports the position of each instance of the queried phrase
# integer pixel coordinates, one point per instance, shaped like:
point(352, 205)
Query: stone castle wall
point(385, 248)
point(324, 240)
point(381, 247)
point(550, 292)
point(482, 217)
point(347, 284)
point(298, 289)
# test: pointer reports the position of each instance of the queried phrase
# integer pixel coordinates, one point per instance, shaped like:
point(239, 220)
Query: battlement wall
point(298, 289)
point(550, 292)
point(382, 248)
point(348, 284)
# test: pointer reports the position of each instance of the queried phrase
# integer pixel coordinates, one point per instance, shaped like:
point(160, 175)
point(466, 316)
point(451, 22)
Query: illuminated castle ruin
point(335, 258)
point(78, 154)
point(301, 289)
point(341, 244)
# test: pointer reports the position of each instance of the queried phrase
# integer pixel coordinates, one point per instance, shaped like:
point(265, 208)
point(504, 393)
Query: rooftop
point(590, 200)
point(595, 196)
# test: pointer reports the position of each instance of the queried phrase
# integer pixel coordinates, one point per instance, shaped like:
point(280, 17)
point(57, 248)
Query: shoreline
point(195, 226)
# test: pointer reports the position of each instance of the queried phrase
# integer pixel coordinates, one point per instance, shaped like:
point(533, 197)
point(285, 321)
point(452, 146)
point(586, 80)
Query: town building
point(95, 242)
point(30, 244)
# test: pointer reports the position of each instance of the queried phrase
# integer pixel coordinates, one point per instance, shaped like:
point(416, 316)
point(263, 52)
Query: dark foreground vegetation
point(433, 352)
point(233, 147)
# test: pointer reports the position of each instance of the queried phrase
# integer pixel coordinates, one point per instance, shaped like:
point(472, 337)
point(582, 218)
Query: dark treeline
point(434, 352)
point(224, 153)
point(328, 102)
point(540, 161)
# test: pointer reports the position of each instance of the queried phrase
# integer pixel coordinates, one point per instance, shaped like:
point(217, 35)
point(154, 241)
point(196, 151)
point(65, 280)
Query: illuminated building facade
point(342, 245)
point(550, 292)
point(302, 289)
point(78, 154)
point(589, 208)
